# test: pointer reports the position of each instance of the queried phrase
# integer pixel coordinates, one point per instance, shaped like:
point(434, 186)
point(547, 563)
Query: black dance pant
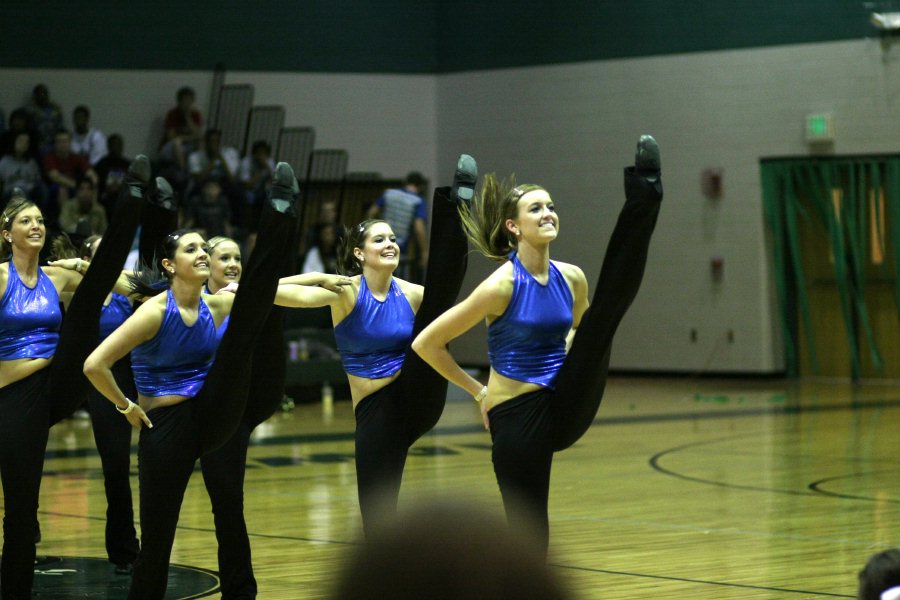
point(390, 420)
point(224, 469)
point(112, 434)
point(528, 429)
point(30, 406)
point(183, 433)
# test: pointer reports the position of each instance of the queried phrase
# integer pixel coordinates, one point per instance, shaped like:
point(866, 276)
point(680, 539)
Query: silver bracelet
point(481, 395)
point(128, 408)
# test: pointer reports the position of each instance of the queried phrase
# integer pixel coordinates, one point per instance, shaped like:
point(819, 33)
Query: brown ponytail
point(485, 219)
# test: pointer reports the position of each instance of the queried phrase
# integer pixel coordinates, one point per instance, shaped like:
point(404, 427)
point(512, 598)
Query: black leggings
point(112, 434)
point(528, 429)
point(224, 469)
point(390, 420)
point(184, 432)
point(29, 407)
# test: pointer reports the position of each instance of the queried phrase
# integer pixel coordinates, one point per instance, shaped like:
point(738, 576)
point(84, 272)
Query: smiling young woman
point(396, 396)
point(192, 390)
point(41, 355)
point(549, 354)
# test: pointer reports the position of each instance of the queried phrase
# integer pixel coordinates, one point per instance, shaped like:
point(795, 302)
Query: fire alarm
point(711, 183)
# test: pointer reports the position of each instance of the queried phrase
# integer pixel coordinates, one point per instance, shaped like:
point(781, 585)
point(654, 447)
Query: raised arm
point(138, 328)
point(70, 272)
point(334, 283)
point(305, 296)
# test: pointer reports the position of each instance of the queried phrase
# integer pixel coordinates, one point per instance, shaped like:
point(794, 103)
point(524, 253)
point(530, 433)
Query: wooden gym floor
point(682, 489)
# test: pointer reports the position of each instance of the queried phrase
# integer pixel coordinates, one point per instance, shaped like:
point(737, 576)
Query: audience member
point(46, 117)
point(446, 552)
point(111, 171)
point(218, 163)
point(209, 213)
point(63, 170)
point(405, 210)
point(321, 257)
point(82, 214)
point(326, 215)
point(183, 129)
point(256, 177)
point(880, 578)
point(18, 123)
point(86, 140)
point(19, 169)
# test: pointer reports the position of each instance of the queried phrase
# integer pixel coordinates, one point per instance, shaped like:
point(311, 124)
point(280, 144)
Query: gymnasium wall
point(557, 94)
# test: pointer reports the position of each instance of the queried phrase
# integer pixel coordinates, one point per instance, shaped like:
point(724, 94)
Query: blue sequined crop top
point(374, 337)
point(29, 318)
point(177, 359)
point(114, 314)
point(220, 332)
point(528, 341)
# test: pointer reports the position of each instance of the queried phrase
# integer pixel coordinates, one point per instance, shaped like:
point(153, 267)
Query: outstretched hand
point(231, 288)
point(334, 283)
point(70, 264)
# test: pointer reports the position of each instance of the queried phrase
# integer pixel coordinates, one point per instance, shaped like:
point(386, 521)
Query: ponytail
point(484, 220)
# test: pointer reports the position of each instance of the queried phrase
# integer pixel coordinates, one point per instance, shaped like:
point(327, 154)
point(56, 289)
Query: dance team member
point(41, 355)
point(396, 396)
point(539, 398)
point(112, 434)
point(223, 469)
point(192, 390)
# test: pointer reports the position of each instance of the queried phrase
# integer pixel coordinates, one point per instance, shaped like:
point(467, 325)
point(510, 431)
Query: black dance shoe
point(124, 569)
point(646, 158)
point(284, 190)
point(138, 175)
point(463, 190)
point(163, 196)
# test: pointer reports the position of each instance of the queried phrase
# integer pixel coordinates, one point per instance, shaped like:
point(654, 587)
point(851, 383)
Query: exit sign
point(820, 127)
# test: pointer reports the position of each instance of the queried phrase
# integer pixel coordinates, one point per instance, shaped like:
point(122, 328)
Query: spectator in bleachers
point(83, 208)
point(405, 210)
point(256, 177)
point(18, 123)
point(184, 129)
point(46, 118)
point(215, 162)
point(322, 254)
point(86, 140)
point(209, 212)
point(111, 170)
point(63, 170)
point(20, 170)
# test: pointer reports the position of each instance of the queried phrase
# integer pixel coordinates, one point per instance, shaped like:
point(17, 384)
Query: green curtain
point(801, 189)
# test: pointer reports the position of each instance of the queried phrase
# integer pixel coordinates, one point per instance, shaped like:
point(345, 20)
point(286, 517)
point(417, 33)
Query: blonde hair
point(484, 220)
point(214, 241)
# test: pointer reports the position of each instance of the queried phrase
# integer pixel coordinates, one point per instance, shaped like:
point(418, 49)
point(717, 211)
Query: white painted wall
point(572, 128)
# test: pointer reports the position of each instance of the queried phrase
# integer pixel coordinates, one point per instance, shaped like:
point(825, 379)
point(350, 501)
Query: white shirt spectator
point(91, 144)
point(198, 160)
